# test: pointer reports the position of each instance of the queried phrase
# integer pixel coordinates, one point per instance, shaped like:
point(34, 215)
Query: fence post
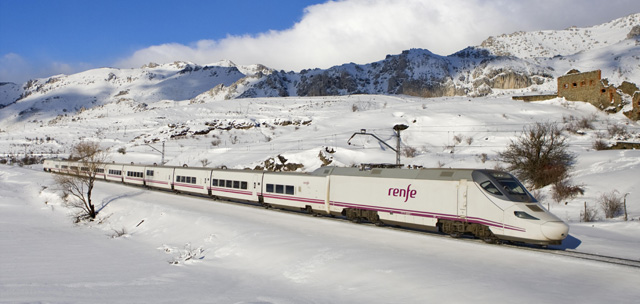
point(624, 204)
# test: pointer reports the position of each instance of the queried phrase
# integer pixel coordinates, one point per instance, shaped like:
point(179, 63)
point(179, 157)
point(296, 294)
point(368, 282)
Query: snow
point(252, 255)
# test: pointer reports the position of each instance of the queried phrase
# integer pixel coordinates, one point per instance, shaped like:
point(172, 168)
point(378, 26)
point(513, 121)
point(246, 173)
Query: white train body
point(486, 203)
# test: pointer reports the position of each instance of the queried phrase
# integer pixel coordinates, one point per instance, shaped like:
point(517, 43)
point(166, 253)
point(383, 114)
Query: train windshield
point(513, 188)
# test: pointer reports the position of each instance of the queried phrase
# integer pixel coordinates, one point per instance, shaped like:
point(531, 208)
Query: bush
point(600, 144)
point(611, 203)
point(578, 125)
point(589, 214)
point(562, 190)
point(409, 152)
point(617, 131)
point(539, 157)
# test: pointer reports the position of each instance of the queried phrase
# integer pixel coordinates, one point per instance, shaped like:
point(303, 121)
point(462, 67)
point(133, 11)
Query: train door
point(462, 198)
point(170, 180)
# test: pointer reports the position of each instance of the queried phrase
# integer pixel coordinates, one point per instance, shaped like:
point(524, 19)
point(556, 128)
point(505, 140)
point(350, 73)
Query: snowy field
point(242, 254)
point(190, 249)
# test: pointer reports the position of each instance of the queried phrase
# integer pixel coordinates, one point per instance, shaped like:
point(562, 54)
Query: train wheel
point(309, 210)
point(490, 240)
point(455, 235)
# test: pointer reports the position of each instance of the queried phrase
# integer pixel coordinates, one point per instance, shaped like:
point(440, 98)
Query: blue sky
point(43, 38)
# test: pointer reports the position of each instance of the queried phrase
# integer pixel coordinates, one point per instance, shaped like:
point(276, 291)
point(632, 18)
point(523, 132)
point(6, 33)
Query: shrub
point(484, 157)
point(611, 203)
point(600, 144)
point(562, 190)
point(589, 214)
point(409, 151)
point(539, 157)
point(122, 150)
point(615, 130)
point(578, 125)
point(458, 138)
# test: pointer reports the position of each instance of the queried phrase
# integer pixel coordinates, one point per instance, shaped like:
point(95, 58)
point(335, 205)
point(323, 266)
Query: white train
point(491, 205)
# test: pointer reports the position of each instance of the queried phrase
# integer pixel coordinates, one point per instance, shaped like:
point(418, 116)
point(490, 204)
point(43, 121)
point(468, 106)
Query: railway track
point(587, 256)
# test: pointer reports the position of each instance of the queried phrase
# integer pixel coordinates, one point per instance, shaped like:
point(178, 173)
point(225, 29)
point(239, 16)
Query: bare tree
point(79, 183)
point(539, 156)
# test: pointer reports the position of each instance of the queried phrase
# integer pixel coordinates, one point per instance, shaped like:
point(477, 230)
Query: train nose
point(555, 230)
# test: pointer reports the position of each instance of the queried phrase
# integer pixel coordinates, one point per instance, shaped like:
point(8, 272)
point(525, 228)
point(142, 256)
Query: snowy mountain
point(417, 72)
point(551, 43)
point(523, 61)
point(134, 88)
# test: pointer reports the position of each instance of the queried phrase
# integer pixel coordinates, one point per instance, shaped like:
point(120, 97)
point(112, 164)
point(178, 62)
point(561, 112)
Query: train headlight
point(524, 215)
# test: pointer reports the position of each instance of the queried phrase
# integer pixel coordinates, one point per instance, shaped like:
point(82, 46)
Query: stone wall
point(531, 98)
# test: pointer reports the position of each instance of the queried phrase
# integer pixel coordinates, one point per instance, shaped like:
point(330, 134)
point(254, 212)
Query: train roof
point(429, 174)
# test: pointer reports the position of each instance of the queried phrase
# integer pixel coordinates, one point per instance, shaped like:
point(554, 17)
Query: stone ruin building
point(591, 88)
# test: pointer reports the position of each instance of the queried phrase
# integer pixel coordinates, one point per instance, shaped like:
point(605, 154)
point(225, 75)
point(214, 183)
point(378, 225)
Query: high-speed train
point(488, 204)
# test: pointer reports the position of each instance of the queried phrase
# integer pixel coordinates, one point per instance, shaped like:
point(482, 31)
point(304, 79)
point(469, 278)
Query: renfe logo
point(406, 193)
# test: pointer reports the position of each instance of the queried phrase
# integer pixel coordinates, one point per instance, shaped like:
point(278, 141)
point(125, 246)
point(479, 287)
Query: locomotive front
point(524, 218)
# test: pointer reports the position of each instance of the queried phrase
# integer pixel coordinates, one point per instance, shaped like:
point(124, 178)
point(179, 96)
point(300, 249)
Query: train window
point(490, 187)
point(84, 169)
point(279, 188)
point(229, 184)
point(193, 180)
point(289, 190)
point(243, 185)
point(270, 188)
point(100, 170)
point(524, 215)
point(149, 172)
point(236, 184)
point(214, 182)
point(188, 180)
point(221, 183)
point(134, 174)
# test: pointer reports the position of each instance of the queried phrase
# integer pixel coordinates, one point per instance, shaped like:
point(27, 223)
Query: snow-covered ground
point(251, 255)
